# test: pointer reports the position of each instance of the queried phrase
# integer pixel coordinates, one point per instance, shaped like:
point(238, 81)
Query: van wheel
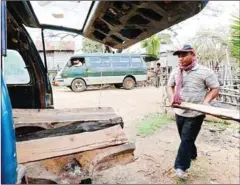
point(117, 86)
point(128, 83)
point(78, 85)
point(70, 87)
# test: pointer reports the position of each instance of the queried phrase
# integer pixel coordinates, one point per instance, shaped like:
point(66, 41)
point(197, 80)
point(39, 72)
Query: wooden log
point(34, 150)
point(63, 169)
point(72, 128)
point(88, 110)
point(53, 118)
point(222, 113)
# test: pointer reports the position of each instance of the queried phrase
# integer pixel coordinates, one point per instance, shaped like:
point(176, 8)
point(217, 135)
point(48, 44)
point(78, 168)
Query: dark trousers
point(188, 129)
point(157, 81)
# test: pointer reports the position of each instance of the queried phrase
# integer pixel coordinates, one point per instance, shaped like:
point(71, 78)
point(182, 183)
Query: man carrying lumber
point(190, 82)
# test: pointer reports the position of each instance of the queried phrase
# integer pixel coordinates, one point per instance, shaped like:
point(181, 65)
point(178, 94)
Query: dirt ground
point(218, 149)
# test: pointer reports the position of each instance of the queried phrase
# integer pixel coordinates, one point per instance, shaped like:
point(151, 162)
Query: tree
point(235, 38)
point(210, 46)
point(89, 46)
point(152, 44)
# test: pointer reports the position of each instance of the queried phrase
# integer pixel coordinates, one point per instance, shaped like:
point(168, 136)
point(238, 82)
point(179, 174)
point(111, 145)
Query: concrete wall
point(56, 59)
point(166, 58)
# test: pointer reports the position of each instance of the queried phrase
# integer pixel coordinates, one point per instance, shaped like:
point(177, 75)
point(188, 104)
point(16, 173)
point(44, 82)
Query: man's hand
point(205, 103)
point(170, 91)
point(212, 94)
point(169, 102)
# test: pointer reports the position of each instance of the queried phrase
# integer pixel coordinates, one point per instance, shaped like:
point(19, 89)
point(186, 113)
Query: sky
point(74, 17)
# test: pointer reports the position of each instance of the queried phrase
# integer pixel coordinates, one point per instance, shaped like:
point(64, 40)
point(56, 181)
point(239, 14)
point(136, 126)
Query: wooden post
point(165, 97)
point(228, 72)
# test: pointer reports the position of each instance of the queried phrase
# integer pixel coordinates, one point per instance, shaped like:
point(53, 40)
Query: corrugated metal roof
point(56, 45)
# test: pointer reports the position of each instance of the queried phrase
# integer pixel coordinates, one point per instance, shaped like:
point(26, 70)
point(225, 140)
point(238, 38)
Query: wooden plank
point(67, 110)
point(222, 113)
point(61, 169)
point(53, 118)
point(38, 149)
point(72, 128)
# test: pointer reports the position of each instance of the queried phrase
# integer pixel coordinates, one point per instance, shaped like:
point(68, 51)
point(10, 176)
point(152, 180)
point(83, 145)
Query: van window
point(14, 69)
point(120, 61)
point(136, 62)
point(106, 62)
point(77, 62)
point(93, 61)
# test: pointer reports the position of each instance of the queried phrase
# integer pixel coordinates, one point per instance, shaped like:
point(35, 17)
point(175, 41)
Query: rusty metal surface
point(120, 24)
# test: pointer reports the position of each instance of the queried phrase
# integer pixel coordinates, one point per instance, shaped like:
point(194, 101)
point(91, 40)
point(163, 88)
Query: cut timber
point(34, 150)
point(63, 169)
point(73, 128)
point(222, 113)
point(53, 118)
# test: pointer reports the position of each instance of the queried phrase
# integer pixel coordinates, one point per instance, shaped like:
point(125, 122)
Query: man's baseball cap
point(185, 48)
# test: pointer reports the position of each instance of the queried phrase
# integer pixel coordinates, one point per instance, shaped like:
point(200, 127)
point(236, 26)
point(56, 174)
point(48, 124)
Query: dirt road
point(218, 150)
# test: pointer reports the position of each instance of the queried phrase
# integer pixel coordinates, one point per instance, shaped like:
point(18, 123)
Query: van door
point(106, 68)
point(75, 68)
point(18, 80)
point(139, 68)
point(8, 142)
point(120, 68)
point(93, 70)
point(118, 24)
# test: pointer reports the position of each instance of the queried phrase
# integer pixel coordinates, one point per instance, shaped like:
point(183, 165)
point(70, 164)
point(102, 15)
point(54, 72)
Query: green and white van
point(119, 69)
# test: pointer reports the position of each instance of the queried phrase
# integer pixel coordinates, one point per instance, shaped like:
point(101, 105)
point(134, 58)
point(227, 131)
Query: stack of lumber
point(228, 114)
point(68, 145)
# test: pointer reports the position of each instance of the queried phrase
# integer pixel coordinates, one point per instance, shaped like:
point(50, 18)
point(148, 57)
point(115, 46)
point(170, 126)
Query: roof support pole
point(44, 52)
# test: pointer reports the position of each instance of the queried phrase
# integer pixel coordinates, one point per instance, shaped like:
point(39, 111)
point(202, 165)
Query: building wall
point(166, 59)
point(172, 60)
point(57, 59)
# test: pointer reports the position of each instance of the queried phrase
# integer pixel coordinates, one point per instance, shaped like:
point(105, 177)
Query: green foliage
point(152, 123)
point(235, 37)
point(89, 46)
point(153, 43)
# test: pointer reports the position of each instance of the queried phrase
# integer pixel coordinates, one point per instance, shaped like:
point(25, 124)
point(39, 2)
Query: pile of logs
point(68, 145)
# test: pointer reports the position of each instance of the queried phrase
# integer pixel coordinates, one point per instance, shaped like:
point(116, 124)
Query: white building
point(57, 54)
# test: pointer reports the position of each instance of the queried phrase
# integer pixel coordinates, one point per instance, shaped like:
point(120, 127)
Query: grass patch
point(220, 121)
point(151, 123)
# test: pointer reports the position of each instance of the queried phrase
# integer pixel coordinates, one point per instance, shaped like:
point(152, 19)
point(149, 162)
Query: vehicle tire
point(70, 87)
point(129, 83)
point(117, 86)
point(78, 85)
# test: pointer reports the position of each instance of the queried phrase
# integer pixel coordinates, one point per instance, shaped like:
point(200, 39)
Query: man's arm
point(211, 95)
point(170, 92)
point(170, 87)
point(213, 84)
